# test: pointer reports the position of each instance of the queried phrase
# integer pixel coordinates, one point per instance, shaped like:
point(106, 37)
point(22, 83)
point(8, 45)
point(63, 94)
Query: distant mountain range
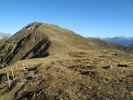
point(2, 35)
point(120, 40)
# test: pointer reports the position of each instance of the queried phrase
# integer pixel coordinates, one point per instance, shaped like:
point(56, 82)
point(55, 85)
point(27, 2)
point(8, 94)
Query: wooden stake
point(8, 79)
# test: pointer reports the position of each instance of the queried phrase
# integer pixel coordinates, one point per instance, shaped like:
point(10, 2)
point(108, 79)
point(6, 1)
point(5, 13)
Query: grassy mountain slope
point(47, 62)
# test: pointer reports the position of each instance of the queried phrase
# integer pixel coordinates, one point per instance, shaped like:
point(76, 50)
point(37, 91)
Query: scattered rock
point(32, 67)
point(106, 67)
point(122, 65)
point(88, 72)
point(3, 77)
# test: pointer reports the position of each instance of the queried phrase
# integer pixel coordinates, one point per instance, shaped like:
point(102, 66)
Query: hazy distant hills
point(120, 40)
point(2, 35)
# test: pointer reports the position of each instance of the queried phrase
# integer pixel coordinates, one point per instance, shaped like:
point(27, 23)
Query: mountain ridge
point(46, 62)
point(126, 41)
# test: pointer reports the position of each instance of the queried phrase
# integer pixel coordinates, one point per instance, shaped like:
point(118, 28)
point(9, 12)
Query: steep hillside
point(46, 62)
point(36, 37)
point(41, 39)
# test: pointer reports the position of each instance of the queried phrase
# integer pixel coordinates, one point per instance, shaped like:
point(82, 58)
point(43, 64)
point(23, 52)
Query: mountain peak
point(41, 39)
point(32, 26)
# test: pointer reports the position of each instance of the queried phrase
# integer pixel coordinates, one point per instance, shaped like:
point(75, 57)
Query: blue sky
point(97, 18)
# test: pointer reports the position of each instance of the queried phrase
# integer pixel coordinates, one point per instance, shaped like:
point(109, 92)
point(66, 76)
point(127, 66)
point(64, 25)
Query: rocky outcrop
point(30, 44)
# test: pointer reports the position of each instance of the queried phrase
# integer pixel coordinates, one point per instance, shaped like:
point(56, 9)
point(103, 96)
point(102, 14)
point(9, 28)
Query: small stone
point(122, 65)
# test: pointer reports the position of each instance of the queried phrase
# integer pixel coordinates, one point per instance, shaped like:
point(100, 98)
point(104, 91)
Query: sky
point(90, 18)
